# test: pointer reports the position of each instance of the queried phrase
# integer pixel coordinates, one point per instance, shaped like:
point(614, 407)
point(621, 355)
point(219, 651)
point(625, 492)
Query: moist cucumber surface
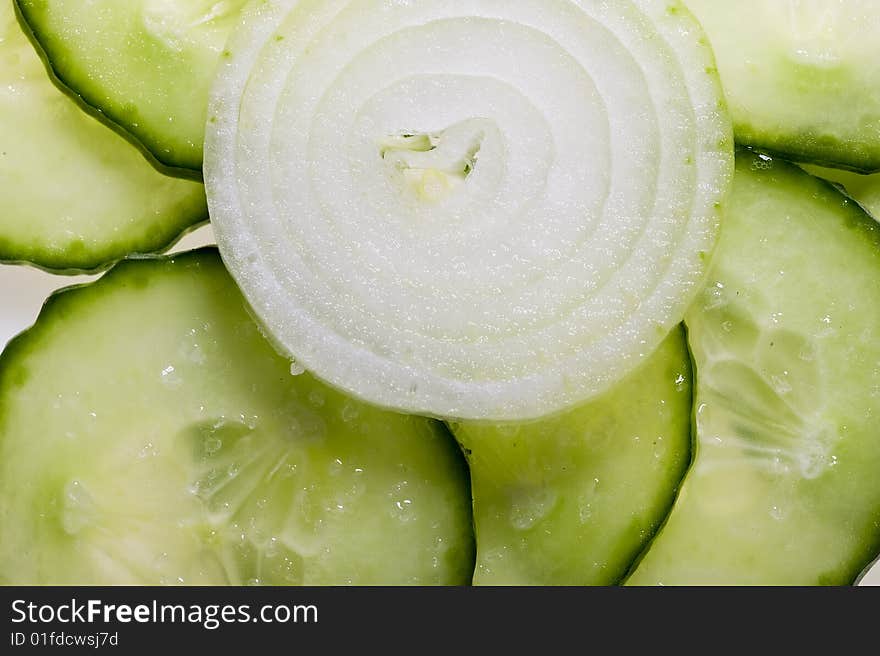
point(145, 64)
point(150, 434)
point(864, 189)
point(786, 345)
point(801, 76)
point(74, 195)
point(573, 499)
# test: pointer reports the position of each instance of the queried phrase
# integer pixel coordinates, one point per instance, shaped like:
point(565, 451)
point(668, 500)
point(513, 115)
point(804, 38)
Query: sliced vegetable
point(572, 499)
point(467, 209)
point(145, 64)
point(149, 434)
point(74, 195)
point(801, 76)
point(864, 189)
point(786, 343)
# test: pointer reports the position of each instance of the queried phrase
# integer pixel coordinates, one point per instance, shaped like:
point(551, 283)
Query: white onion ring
point(547, 244)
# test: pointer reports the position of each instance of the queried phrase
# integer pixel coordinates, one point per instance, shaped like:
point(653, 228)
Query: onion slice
point(479, 209)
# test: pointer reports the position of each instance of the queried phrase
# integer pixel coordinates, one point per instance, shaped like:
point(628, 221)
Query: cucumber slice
point(864, 189)
point(572, 499)
point(786, 343)
point(801, 76)
point(469, 209)
point(145, 64)
point(149, 434)
point(74, 195)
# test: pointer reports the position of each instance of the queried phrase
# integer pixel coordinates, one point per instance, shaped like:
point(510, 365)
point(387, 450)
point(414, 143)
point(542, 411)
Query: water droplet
point(825, 327)
point(531, 506)
point(781, 384)
point(401, 503)
point(148, 450)
point(659, 449)
point(212, 445)
point(585, 512)
point(680, 381)
point(170, 377)
point(78, 509)
point(192, 352)
point(316, 398)
point(350, 412)
point(777, 513)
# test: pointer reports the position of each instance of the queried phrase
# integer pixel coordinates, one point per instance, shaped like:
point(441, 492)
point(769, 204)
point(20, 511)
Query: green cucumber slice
point(786, 344)
point(573, 499)
point(864, 189)
point(468, 209)
point(74, 195)
point(801, 76)
point(149, 434)
point(146, 65)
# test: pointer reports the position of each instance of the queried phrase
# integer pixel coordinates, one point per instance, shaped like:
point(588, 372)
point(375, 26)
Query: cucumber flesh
point(786, 343)
point(74, 195)
point(864, 189)
point(801, 77)
point(145, 64)
point(149, 434)
point(573, 499)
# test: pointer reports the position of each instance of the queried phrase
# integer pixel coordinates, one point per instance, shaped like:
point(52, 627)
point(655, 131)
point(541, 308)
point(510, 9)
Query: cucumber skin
point(851, 566)
point(173, 156)
point(863, 189)
point(77, 258)
point(751, 70)
point(134, 274)
point(94, 110)
point(810, 149)
point(645, 521)
point(76, 262)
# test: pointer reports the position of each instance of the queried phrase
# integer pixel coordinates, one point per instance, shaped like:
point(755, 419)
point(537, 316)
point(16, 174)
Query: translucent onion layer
point(479, 209)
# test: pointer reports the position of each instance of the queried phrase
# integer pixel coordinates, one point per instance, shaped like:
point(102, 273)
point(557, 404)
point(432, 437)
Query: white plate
point(23, 290)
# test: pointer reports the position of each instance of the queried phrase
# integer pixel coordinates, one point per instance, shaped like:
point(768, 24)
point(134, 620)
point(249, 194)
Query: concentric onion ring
point(480, 209)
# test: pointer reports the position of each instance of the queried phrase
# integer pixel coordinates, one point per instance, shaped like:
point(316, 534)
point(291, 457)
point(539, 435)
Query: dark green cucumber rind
point(861, 220)
point(76, 257)
point(866, 570)
point(822, 151)
point(687, 465)
point(147, 143)
point(860, 564)
point(851, 569)
point(73, 262)
point(466, 476)
point(60, 299)
point(617, 568)
point(842, 187)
